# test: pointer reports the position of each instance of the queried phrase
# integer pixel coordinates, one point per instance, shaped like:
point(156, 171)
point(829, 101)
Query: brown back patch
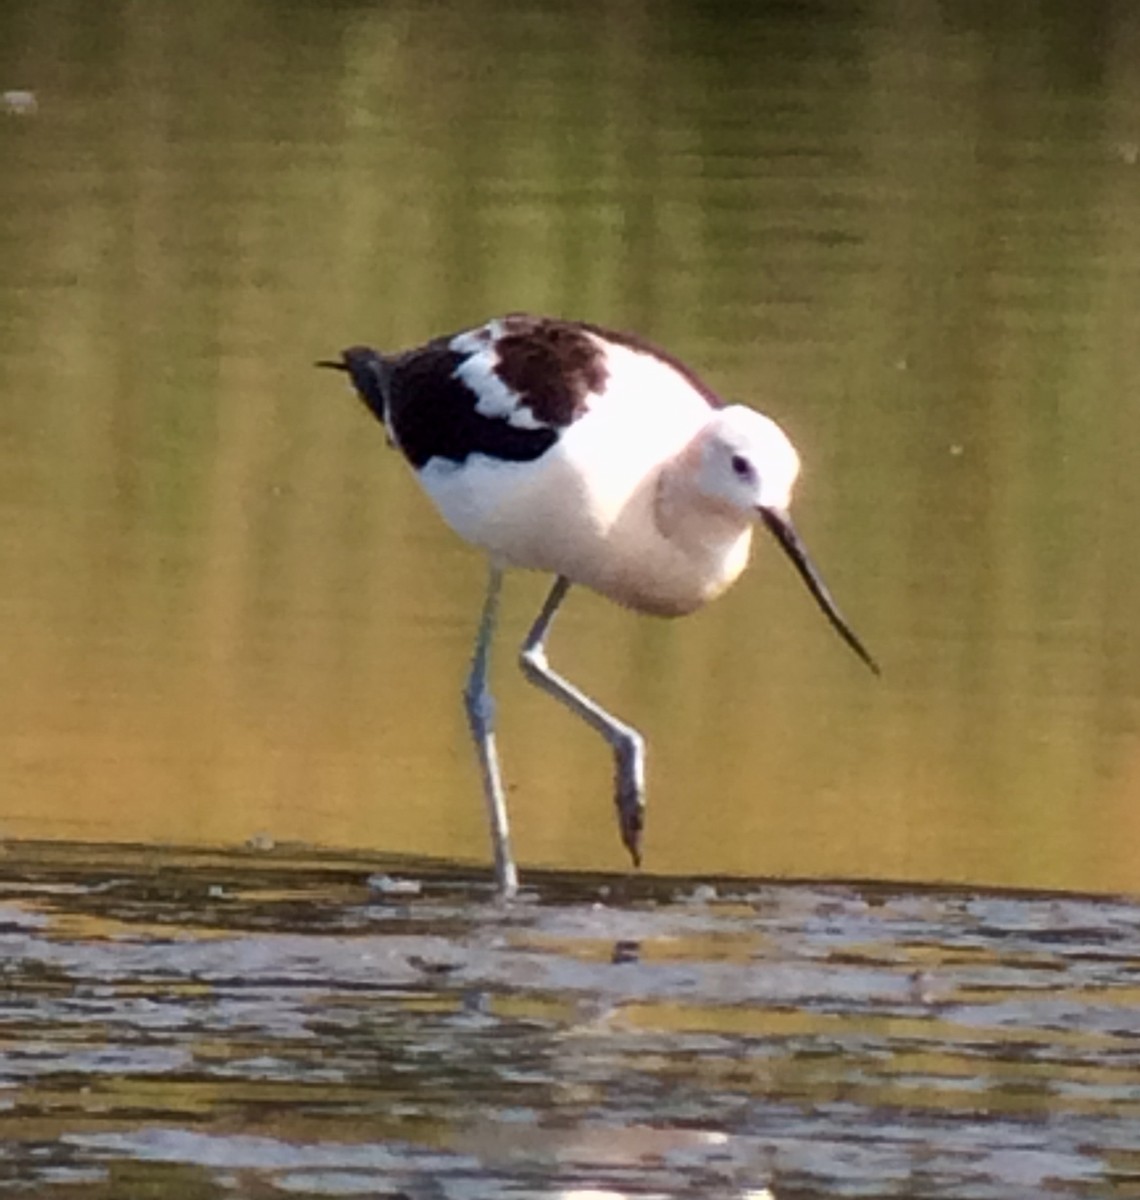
point(552, 366)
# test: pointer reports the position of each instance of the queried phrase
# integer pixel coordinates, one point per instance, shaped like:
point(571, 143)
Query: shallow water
point(279, 1023)
point(907, 231)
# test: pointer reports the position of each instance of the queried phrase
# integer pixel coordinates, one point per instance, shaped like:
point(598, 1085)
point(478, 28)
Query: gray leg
point(481, 718)
point(628, 747)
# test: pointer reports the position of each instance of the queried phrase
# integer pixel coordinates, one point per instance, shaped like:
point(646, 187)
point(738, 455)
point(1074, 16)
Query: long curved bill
point(782, 529)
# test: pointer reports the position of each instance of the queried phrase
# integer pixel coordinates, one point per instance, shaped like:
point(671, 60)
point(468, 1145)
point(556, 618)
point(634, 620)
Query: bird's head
point(747, 463)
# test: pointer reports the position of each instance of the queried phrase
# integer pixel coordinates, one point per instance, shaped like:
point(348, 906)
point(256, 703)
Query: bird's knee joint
point(480, 705)
point(629, 747)
point(532, 661)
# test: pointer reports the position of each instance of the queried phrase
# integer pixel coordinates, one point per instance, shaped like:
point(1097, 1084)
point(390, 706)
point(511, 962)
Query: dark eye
point(742, 468)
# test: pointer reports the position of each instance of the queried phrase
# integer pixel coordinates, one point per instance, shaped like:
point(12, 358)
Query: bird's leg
point(480, 706)
point(628, 747)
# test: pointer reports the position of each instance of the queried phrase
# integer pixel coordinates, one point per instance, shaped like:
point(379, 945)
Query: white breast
point(585, 509)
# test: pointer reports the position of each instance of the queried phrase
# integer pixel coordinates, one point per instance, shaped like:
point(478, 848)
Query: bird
point(595, 457)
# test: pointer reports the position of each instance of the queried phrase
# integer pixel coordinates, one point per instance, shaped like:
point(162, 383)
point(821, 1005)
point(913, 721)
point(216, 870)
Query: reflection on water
point(906, 231)
point(267, 1024)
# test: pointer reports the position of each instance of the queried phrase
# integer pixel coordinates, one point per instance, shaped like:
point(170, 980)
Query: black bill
point(784, 532)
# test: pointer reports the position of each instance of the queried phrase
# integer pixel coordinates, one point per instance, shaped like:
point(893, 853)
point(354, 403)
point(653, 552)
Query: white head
point(747, 463)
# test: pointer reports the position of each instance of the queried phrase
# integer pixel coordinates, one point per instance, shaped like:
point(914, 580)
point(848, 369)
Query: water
point(275, 1023)
point(908, 232)
point(228, 617)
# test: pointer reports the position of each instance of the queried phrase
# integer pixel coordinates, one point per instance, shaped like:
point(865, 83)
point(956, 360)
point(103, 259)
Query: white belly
point(586, 508)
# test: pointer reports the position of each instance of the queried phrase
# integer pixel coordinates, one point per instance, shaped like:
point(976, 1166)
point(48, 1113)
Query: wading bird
point(566, 448)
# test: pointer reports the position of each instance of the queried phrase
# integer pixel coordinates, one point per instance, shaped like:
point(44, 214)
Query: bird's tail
point(370, 372)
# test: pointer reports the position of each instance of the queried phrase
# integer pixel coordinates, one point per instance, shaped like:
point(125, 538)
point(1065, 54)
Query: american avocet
point(591, 455)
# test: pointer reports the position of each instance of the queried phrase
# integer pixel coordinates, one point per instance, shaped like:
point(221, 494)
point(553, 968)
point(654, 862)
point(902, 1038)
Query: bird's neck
point(714, 535)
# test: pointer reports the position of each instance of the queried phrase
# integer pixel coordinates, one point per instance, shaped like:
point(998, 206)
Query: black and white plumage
point(563, 447)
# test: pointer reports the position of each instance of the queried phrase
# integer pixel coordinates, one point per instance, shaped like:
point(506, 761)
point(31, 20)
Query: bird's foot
point(631, 818)
point(629, 796)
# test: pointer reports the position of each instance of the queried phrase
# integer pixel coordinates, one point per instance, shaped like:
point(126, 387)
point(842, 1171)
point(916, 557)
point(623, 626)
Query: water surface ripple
point(278, 1023)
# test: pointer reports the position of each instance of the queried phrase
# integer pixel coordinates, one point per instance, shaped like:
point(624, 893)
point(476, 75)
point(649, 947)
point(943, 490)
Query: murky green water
point(908, 231)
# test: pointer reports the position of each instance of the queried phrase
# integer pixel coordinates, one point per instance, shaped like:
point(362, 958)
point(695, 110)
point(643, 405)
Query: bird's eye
point(742, 468)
